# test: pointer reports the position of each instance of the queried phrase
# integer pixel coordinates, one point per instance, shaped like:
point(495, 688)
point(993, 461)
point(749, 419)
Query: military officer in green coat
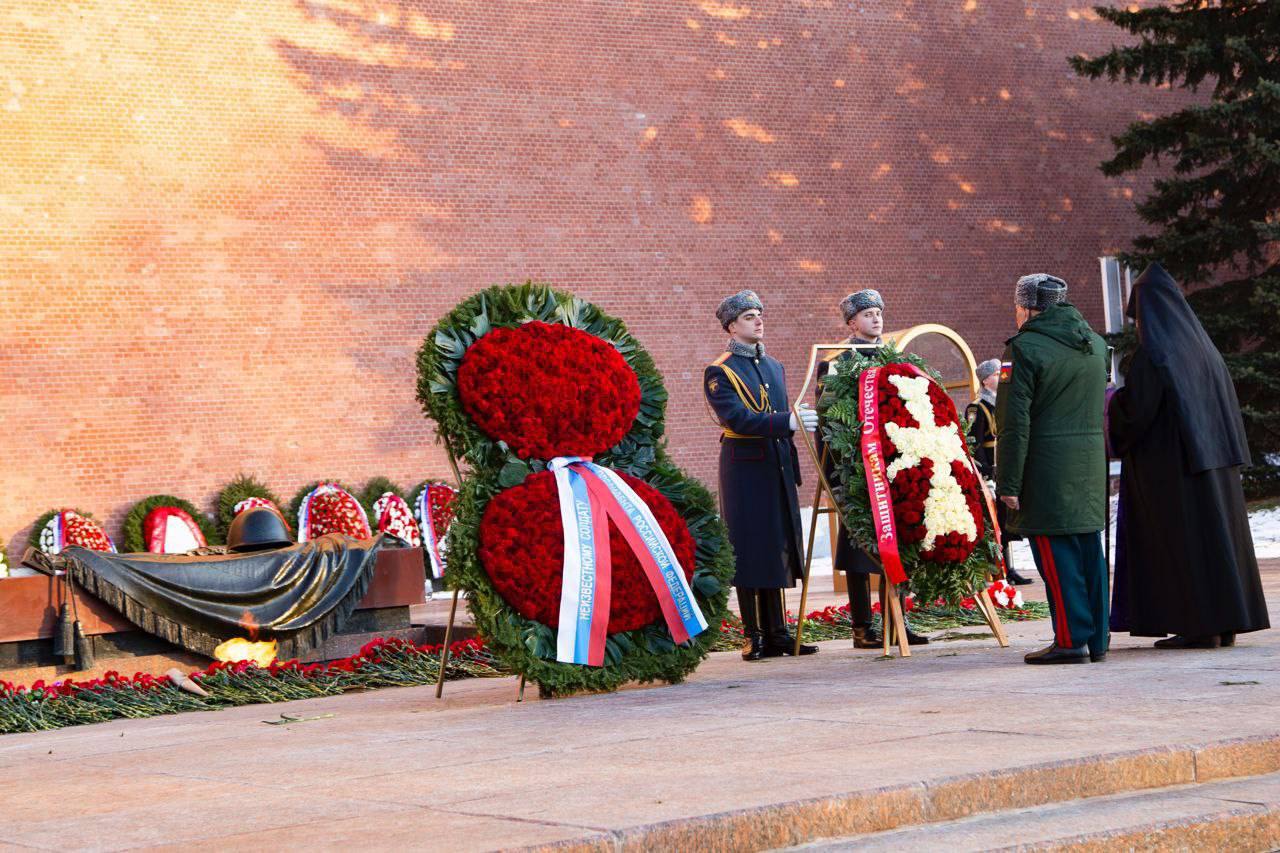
point(1051, 461)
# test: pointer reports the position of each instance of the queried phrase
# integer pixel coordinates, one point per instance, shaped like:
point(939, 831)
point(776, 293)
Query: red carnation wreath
point(912, 485)
point(392, 515)
point(522, 551)
point(329, 508)
point(443, 499)
point(549, 390)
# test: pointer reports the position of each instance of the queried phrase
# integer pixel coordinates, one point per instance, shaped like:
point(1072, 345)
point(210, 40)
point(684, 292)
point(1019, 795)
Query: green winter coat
point(1051, 456)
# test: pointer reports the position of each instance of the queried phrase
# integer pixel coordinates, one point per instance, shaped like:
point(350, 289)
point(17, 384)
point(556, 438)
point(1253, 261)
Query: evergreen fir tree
point(1216, 211)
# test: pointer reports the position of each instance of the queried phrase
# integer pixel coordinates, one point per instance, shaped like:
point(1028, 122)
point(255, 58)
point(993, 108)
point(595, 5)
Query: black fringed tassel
point(63, 635)
point(84, 649)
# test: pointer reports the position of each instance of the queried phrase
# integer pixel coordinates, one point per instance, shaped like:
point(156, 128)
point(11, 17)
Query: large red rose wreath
point(945, 540)
point(548, 390)
point(517, 379)
point(522, 550)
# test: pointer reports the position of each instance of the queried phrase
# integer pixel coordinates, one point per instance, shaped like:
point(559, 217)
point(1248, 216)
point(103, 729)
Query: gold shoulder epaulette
point(721, 360)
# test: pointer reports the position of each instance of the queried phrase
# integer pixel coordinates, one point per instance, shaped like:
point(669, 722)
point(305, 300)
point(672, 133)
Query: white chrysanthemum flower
point(945, 509)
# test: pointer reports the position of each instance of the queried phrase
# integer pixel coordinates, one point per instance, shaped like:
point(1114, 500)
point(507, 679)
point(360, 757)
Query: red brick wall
point(225, 226)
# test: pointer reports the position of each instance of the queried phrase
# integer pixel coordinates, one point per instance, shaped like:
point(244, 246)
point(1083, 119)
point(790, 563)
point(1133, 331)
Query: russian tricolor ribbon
point(590, 496)
point(878, 479)
point(430, 537)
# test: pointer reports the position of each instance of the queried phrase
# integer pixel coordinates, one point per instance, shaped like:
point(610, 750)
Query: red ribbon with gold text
point(878, 479)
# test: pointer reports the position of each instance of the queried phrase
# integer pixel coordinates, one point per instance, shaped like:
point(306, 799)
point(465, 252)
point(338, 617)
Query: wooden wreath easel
point(893, 620)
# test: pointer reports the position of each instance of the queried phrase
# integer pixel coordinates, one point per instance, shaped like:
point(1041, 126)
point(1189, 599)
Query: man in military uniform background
point(759, 472)
point(1051, 463)
point(981, 417)
point(863, 314)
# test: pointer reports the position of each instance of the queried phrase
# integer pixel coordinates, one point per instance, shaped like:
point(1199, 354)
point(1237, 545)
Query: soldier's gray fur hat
point(735, 306)
point(987, 368)
point(1039, 291)
point(856, 303)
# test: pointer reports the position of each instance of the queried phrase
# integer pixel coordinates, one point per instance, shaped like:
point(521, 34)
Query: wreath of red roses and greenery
point(443, 500)
point(949, 565)
point(560, 382)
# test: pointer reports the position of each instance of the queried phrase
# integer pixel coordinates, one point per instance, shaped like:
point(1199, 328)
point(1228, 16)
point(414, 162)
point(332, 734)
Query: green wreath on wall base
point(134, 536)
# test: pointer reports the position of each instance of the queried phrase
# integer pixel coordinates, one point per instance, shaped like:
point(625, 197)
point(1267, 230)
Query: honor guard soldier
point(863, 314)
point(759, 471)
point(1051, 463)
point(981, 418)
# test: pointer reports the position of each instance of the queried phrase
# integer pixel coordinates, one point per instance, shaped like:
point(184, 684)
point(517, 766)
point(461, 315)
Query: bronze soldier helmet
point(257, 529)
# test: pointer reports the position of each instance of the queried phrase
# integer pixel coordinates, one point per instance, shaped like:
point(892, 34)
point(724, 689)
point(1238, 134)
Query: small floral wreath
point(945, 542)
point(328, 507)
point(136, 532)
point(391, 514)
point(58, 528)
point(433, 507)
point(478, 360)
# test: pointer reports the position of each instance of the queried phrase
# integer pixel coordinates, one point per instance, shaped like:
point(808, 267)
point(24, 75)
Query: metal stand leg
point(448, 638)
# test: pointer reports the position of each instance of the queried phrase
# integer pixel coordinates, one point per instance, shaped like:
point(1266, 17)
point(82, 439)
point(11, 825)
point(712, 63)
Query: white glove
point(808, 418)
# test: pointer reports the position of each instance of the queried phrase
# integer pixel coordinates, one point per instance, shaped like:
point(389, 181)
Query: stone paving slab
point(843, 739)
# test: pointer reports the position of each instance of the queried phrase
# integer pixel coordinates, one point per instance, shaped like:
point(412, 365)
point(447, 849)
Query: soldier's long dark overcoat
point(759, 468)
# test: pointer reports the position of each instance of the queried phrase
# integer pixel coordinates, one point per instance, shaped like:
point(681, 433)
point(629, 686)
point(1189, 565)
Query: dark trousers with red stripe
point(1075, 576)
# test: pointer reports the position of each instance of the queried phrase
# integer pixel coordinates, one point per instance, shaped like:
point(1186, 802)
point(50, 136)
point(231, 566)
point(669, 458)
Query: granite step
point(1239, 814)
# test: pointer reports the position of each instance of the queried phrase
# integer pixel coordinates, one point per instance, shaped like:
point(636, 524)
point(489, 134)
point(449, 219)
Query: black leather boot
point(1182, 641)
point(753, 638)
point(1057, 654)
point(866, 637)
point(778, 640)
point(1010, 573)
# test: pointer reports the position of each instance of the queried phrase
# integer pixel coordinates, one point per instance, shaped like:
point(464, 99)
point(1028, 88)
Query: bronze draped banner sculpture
point(298, 595)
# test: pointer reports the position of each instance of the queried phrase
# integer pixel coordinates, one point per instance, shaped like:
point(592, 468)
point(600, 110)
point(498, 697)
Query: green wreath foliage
point(842, 430)
point(373, 490)
point(508, 307)
point(134, 537)
point(243, 486)
point(524, 645)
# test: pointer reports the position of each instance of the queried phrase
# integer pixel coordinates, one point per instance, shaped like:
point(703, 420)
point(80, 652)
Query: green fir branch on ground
point(242, 487)
point(34, 709)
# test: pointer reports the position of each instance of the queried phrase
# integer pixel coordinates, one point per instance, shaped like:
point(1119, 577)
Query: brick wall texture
point(225, 227)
